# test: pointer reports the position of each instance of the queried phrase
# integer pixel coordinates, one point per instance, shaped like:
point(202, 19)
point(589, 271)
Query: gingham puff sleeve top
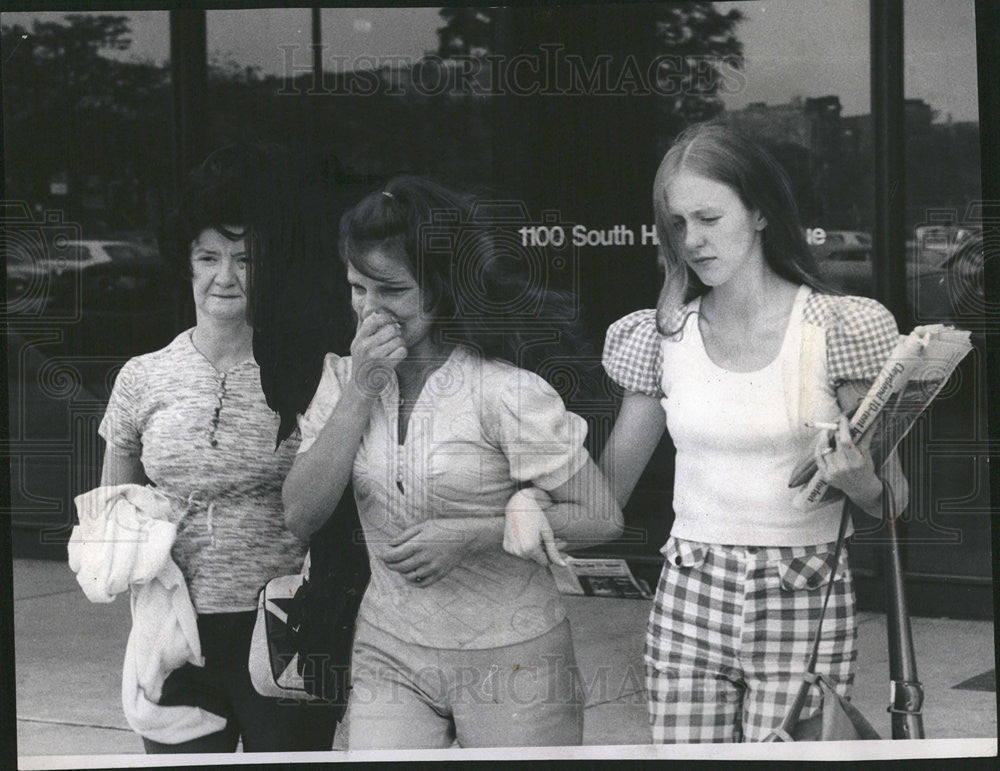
point(739, 434)
point(859, 334)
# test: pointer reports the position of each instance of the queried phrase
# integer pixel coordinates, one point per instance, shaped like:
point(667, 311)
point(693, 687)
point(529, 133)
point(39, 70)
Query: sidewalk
point(69, 657)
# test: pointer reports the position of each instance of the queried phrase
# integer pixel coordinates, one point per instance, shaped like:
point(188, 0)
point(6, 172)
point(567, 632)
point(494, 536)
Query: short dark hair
point(288, 200)
point(217, 194)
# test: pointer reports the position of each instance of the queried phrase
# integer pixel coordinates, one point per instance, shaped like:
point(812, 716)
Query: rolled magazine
point(911, 377)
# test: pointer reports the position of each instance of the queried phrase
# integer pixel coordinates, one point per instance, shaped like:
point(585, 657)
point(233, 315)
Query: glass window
point(87, 136)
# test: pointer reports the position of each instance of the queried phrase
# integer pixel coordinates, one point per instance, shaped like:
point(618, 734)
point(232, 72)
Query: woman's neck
point(420, 361)
point(744, 299)
point(224, 343)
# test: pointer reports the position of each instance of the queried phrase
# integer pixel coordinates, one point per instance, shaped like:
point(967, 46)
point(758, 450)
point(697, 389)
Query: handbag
point(304, 631)
point(274, 657)
point(837, 719)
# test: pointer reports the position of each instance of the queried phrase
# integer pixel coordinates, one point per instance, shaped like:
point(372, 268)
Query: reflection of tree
point(696, 32)
point(593, 151)
point(68, 108)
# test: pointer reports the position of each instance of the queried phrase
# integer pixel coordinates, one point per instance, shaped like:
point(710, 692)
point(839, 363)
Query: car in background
point(85, 275)
point(845, 261)
point(944, 271)
point(949, 287)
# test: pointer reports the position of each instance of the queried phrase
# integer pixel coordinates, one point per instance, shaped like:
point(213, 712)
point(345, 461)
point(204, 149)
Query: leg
point(791, 584)
point(693, 707)
point(693, 672)
point(397, 695)
point(266, 724)
point(205, 687)
point(522, 695)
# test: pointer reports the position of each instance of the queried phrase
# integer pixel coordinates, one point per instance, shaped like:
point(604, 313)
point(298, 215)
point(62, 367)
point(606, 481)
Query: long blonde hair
point(719, 152)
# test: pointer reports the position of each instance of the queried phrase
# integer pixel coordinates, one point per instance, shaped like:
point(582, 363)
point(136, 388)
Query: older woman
point(192, 419)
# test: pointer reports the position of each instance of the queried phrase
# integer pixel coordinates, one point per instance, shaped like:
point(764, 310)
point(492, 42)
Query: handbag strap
point(783, 732)
point(845, 517)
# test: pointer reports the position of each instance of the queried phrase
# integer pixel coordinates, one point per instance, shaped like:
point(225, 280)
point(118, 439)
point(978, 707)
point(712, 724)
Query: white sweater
point(124, 540)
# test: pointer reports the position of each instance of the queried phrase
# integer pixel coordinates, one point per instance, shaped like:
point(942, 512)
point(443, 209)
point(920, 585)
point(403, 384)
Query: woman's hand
point(847, 466)
point(527, 533)
point(376, 350)
point(426, 552)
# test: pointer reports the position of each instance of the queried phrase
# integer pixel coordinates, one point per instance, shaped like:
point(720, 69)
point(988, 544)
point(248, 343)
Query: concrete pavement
point(69, 657)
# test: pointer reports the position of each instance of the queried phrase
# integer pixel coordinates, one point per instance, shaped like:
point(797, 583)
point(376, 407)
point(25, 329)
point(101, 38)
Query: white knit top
point(740, 434)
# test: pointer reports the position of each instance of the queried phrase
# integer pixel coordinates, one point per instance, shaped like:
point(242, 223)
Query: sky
point(791, 47)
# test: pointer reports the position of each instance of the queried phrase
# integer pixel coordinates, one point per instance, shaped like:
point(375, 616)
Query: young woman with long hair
point(744, 348)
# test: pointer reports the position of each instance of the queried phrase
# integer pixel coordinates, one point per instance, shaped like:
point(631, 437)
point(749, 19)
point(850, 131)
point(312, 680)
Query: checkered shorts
point(730, 635)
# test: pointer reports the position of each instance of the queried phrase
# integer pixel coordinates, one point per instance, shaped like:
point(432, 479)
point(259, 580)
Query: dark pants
point(223, 686)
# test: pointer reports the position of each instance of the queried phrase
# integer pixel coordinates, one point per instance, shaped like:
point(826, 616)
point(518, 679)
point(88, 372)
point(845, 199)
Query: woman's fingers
point(403, 551)
point(407, 565)
point(426, 581)
point(550, 548)
point(844, 432)
point(823, 448)
point(537, 554)
point(406, 535)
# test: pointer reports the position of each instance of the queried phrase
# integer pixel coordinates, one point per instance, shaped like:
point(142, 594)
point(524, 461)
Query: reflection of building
point(813, 123)
point(817, 125)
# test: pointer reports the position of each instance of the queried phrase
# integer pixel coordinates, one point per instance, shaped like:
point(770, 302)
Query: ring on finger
point(826, 451)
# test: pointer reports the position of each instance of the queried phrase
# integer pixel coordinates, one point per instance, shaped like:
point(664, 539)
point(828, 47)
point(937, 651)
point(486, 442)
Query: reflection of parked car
point(87, 275)
point(951, 288)
point(944, 279)
point(845, 261)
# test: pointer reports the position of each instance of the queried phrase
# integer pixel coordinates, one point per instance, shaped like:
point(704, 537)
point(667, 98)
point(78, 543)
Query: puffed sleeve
point(543, 441)
point(336, 371)
point(860, 335)
point(633, 355)
point(120, 426)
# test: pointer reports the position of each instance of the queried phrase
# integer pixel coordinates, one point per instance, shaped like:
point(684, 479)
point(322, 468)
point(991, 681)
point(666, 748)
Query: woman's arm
point(584, 511)
point(637, 432)
point(580, 512)
point(320, 474)
point(122, 467)
point(580, 518)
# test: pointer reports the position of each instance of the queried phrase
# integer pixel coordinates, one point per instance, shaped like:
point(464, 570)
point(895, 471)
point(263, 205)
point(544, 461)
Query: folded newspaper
point(598, 577)
point(911, 377)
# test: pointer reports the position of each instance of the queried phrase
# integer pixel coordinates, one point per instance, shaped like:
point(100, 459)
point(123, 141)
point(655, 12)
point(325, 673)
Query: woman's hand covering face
point(377, 348)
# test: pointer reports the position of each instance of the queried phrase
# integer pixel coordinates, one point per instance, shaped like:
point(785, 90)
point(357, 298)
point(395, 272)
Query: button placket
point(220, 395)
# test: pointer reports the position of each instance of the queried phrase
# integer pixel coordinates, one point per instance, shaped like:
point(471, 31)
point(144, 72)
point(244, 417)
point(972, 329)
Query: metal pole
point(888, 116)
point(189, 74)
point(312, 95)
point(889, 264)
point(907, 695)
point(317, 46)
